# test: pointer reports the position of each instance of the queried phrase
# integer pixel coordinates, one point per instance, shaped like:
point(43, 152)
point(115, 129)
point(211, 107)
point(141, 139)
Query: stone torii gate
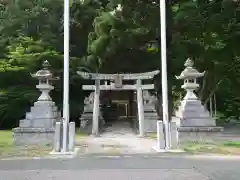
point(118, 84)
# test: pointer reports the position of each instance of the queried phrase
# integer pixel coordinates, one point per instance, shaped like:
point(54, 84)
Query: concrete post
point(57, 137)
point(160, 136)
point(174, 136)
point(71, 136)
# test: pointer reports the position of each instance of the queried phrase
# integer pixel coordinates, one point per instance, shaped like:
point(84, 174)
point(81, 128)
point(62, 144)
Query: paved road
point(137, 167)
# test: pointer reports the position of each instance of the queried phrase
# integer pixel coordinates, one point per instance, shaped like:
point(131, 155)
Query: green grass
point(212, 147)
point(152, 135)
point(8, 149)
point(80, 134)
point(232, 144)
point(6, 141)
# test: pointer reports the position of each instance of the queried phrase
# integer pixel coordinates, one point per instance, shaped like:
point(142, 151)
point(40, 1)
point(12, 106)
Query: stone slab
point(38, 123)
point(33, 136)
point(191, 121)
point(198, 133)
point(71, 153)
point(201, 129)
point(150, 125)
point(24, 123)
point(172, 150)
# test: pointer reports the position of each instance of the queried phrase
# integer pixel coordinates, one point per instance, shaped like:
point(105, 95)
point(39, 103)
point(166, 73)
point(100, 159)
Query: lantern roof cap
point(189, 71)
point(45, 72)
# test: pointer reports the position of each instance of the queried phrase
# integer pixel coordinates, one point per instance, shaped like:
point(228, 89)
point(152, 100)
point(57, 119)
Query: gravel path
point(119, 138)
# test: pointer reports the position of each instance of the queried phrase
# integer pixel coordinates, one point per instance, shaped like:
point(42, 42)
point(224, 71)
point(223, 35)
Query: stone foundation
point(33, 136)
point(150, 126)
point(198, 133)
point(150, 113)
point(38, 126)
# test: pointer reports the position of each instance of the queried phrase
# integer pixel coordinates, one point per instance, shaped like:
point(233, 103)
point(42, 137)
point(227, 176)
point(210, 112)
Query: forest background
point(108, 39)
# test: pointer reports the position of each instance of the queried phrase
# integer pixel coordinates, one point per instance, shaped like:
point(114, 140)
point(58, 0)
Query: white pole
point(66, 77)
point(164, 72)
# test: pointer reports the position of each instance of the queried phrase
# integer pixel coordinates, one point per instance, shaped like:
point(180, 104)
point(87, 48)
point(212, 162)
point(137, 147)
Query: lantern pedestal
point(39, 124)
point(192, 113)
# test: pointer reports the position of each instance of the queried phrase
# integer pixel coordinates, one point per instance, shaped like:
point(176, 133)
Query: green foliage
point(15, 101)
point(110, 40)
point(29, 54)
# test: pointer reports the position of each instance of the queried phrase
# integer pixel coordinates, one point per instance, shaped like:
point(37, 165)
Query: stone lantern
point(45, 78)
point(190, 75)
point(39, 124)
point(195, 122)
point(191, 112)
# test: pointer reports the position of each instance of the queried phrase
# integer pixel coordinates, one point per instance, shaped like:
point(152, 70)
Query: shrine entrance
point(123, 103)
point(118, 97)
point(119, 107)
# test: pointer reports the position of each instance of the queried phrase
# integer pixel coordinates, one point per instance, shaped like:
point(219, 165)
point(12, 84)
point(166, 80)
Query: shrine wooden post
point(140, 107)
point(96, 108)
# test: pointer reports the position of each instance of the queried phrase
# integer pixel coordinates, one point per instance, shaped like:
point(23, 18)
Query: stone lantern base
point(33, 136)
point(186, 134)
point(39, 125)
point(193, 114)
point(150, 114)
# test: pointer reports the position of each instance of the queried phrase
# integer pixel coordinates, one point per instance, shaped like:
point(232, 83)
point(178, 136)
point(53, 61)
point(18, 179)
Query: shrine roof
point(125, 76)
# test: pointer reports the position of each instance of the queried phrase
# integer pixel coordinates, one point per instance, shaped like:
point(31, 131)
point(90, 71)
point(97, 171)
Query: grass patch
point(232, 148)
point(6, 141)
point(80, 134)
point(232, 144)
point(201, 147)
point(152, 135)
